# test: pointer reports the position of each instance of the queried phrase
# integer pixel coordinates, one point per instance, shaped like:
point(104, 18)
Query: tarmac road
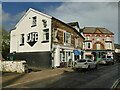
point(103, 77)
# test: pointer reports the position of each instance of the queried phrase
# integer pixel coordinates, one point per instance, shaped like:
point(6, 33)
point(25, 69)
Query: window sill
point(21, 44)
point(44, 41)
point(109, 49)
point(33, 25)
point(66, 44)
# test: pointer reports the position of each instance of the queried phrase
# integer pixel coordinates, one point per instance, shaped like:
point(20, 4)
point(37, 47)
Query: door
point(91, 63)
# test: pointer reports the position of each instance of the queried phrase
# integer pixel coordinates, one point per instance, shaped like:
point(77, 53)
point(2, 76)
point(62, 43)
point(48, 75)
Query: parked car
point(106, 61)
point(85, 64)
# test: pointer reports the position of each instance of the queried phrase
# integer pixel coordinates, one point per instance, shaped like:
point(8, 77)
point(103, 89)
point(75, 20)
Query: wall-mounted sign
point(32, 38)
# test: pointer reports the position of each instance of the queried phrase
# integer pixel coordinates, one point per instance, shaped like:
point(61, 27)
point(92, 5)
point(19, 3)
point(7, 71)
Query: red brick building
point(99, 43)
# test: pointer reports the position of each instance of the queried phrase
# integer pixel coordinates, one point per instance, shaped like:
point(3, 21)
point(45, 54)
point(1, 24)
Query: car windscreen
point(103, 58)
point(108, 56)
point(83, 60)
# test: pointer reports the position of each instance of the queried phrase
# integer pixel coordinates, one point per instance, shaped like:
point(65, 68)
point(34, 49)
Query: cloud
point(89, 14)
point(9, 20)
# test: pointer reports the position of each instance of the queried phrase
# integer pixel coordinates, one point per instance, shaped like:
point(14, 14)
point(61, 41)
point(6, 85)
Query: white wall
point(12, 66)
point(56, 61)
point(24, 27)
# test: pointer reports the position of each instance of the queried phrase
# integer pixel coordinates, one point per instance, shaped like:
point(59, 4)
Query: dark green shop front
point(99, 54)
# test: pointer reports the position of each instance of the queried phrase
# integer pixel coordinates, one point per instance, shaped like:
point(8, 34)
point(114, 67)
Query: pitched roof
point(68, 26)
point(31, 9)
point(46, 15)
point(96, 30)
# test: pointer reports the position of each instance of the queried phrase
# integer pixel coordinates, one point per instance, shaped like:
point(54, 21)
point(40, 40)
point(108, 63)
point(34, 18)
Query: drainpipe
point(51, 50)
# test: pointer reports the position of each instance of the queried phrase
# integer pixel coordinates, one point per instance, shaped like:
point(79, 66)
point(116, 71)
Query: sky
point(88, 14)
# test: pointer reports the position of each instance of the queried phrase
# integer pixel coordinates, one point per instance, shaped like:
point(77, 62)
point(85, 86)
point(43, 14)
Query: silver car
point(106, 61)
point(85, 64)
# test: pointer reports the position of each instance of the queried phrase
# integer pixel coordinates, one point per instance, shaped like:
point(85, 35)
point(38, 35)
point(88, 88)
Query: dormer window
point(98, 38)
point(88, 38)
point(34, 21)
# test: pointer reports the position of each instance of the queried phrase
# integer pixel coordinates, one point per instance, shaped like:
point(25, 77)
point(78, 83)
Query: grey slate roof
point(93, 29)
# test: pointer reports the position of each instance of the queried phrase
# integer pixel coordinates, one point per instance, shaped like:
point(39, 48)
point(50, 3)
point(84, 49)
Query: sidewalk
point(14, 79)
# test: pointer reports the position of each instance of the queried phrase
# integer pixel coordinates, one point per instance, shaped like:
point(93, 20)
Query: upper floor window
point(108, 38)
point(46, 35)
point(98, 38)
point(34, 21)
point(44, 23)
point(109, 45)
point(83, 45)
point(67, 38)
point(87, 37)
point(98, 46)
point(88, 45)
point(76, 42)
point(55, 35)
point(21, 39)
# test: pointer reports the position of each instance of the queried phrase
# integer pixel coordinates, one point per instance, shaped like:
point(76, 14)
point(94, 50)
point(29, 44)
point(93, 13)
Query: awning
point(77, 52)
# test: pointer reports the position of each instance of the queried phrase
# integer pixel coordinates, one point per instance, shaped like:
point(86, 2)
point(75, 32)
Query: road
point(103, 77)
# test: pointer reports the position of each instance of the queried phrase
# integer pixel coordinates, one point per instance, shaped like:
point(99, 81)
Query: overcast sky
point(88, 14)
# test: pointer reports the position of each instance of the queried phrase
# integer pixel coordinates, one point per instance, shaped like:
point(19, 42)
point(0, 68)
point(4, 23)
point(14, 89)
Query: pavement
point(11, 79)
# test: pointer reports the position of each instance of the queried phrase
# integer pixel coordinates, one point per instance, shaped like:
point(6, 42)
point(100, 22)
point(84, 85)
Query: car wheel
point(88, 67)
point(76, 69)
point(113, 63)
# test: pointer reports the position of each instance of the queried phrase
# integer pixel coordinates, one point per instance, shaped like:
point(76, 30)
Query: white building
point(42, 40)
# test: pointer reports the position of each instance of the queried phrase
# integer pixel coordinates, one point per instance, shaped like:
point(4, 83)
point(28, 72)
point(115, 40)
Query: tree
point(5, 43)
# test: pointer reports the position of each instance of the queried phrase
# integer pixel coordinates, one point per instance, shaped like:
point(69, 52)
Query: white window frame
point(34, 21)
point(87, 37)
point(45, 32)
point(108, 38)
point(65, 38)
point(86, 45)
point(98, 46)
point(22, 39)
point(76, 42)
point(98, 38)
point(108, 45)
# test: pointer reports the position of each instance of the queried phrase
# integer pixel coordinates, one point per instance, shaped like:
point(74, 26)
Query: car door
point(91, 63)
